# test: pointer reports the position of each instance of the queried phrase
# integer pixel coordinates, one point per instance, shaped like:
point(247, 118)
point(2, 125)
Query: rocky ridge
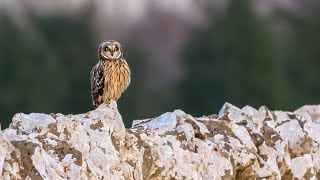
point(235, 144)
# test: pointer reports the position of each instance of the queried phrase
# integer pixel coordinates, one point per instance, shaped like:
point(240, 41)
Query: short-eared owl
point(111, 75)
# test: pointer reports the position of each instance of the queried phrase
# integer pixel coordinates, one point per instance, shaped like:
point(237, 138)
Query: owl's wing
point(97, 83)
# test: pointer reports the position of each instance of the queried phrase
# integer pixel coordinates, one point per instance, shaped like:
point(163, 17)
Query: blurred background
point(191, 55)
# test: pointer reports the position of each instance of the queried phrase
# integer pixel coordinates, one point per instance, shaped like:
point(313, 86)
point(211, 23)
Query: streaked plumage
point(111, 75)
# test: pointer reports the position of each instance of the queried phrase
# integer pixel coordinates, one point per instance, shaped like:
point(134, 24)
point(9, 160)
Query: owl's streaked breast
point(117, 79)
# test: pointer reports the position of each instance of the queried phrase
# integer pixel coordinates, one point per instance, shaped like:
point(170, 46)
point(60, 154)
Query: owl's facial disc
point(111, 50)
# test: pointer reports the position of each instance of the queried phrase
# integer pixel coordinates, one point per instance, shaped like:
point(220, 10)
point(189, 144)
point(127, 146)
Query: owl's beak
point(111, 53)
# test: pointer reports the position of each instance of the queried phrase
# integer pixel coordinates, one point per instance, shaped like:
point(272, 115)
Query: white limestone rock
point(237, 144)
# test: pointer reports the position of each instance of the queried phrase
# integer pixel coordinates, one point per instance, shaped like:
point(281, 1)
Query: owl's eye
point(116, 48)
point(107, 49)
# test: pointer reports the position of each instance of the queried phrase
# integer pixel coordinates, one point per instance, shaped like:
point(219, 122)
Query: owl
point(111, 75)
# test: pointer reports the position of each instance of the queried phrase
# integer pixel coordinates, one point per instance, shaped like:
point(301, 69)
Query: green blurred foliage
point(45, 70)
point(236, 57)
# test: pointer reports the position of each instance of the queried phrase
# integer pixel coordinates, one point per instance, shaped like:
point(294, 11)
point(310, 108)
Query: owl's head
point(110, 50)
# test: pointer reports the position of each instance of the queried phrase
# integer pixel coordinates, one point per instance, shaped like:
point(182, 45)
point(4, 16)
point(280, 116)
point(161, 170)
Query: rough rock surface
point(236, 144)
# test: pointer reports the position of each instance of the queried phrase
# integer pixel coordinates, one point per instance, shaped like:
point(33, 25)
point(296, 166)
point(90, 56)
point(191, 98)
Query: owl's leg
point(97, 101)
point(107, 101)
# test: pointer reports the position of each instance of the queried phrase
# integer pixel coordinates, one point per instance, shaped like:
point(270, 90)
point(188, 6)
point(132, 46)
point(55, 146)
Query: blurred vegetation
point(240, 60)
point(45, 70)
point(237, 58)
